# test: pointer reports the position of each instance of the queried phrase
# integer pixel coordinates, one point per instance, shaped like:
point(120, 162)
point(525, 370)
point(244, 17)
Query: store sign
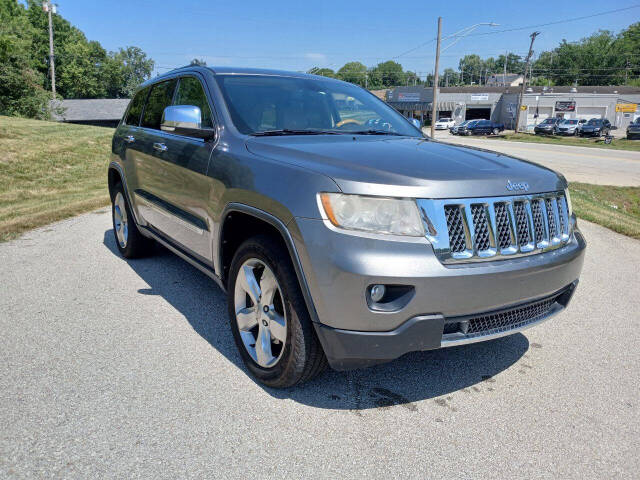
point(409, 97)
point(566, 106)
point(479, 97)
point(626, 107)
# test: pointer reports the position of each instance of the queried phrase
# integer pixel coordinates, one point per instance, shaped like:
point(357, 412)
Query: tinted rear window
point(159, 98)
point(135, 109)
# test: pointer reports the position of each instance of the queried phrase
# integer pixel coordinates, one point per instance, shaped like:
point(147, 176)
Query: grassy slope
point(617, 208)
point(617, 144)
point(49, 171)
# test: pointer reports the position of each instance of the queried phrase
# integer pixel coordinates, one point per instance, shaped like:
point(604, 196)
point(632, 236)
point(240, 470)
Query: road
point(120, 369)
point(577, 164)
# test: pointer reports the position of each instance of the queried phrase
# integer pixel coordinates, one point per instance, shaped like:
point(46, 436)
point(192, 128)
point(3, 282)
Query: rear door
point(173, 188)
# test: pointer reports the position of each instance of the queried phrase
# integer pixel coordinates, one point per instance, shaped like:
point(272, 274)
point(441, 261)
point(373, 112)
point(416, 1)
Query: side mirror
point(185, 120)
point(416, 123)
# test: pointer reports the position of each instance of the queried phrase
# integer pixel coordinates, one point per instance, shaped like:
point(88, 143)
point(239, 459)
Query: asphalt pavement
point(127, 369)
point(578, 164)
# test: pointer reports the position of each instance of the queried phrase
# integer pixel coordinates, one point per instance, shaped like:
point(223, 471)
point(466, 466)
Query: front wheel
point(269, 319)
point(496, 131)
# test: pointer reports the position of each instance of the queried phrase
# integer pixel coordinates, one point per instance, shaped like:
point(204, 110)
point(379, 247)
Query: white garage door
point(591, 112)
point(543, 112)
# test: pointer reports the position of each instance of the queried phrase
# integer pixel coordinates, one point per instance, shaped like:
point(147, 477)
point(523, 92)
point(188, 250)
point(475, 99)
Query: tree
point(353, 72)
point(21, 91)
point(198, 62)
point(471, 67)
point(135, 67)
point(450, 78)
point(388, 74)
point(324, 72)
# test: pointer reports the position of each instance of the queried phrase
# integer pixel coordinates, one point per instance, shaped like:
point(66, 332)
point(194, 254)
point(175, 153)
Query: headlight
point(392, 216)
point(569, 206)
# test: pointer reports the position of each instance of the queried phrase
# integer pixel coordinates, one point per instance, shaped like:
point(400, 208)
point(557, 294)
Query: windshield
point(570, 122)
point(548, 121)
point(594, 121)
point(266, 104)
point(444, 120)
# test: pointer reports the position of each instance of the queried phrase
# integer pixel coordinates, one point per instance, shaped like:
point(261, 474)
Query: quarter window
point(190, 92)
point(135, 108)
point(159, 98)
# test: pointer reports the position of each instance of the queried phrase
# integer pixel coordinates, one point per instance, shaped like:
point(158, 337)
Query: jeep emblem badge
point(524, 186)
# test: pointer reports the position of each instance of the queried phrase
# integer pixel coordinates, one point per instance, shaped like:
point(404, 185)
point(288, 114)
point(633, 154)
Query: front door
point(173, 189)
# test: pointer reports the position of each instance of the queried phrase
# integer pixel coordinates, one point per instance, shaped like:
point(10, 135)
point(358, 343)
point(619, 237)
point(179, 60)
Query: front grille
point(481, 229)
point(455, 226)
point(503, 320)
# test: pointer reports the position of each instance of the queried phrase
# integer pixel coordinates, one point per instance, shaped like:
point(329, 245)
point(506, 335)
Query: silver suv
point(340, 233)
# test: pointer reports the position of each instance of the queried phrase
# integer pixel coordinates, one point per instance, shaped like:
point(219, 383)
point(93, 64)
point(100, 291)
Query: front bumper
point(339, 268)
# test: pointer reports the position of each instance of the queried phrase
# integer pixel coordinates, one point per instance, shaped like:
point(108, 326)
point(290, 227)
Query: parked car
point(568, 127)
point(454, 130)
point(336, 242)
point(485, 127)
point(463, 129)
point(596, 127)
point(581, 123)
point(444, 123)
point(547, 126)
point(633, 130)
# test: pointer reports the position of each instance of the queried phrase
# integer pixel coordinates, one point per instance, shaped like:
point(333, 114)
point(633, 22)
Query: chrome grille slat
point(481, 229)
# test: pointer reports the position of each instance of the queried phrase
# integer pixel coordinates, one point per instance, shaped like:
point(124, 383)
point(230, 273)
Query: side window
point(135, 109)
point(190, 92)
point(159, 98)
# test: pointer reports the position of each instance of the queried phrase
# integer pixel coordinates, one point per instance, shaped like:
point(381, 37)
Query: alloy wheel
point(260, 313)
point(120, 220)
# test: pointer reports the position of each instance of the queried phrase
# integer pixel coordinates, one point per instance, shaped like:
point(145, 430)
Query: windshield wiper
point(287, 131)
point(375, 132)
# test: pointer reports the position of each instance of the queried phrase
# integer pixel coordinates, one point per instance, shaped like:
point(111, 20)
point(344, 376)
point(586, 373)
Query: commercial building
point(500, 103)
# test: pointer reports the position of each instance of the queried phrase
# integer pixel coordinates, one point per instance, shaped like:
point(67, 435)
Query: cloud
point(316, 57)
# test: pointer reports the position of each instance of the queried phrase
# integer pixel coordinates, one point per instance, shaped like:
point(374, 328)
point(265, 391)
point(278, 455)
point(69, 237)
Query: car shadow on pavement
point(414, 377)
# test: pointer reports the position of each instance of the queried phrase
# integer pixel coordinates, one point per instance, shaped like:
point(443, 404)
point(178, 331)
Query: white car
point(445, 123)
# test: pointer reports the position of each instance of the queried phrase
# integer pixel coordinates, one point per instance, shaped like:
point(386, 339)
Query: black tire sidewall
point(289, 368)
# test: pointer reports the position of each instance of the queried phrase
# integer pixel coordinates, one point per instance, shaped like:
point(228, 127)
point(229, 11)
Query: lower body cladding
point(428, 305)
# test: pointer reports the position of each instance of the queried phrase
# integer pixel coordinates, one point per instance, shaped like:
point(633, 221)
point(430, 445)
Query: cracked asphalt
point(127, 369)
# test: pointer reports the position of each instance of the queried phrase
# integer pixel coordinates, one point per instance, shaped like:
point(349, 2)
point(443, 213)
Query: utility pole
point(504, 75)
point(524, 80)
point(434, 104)
point(48, 7)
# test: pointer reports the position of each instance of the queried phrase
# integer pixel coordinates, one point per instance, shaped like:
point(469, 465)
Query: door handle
point(129, 139)
point(161, 147)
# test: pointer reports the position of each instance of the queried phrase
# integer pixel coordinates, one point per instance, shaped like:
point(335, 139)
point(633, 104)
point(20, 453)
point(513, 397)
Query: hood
point(406, 167)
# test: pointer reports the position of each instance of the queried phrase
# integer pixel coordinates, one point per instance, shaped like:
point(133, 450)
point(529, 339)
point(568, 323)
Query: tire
point(496, 131)
point(130, 242)
point(293, 353)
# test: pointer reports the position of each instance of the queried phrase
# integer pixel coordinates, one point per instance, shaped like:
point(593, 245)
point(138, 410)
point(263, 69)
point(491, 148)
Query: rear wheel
point(496, 131)
point(269, 318)
point(130, 242)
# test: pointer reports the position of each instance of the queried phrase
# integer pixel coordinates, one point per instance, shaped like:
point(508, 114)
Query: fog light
point(377, 292)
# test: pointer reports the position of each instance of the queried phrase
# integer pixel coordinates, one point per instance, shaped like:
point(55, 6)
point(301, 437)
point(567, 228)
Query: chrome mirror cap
point(185, 120)
point(416, 123)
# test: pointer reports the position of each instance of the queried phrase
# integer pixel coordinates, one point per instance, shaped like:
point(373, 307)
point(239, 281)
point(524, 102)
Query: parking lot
point(114, 368)
point(577, 164)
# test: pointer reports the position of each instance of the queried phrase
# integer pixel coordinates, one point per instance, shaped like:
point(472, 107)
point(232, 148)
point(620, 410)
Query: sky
point(298, 35)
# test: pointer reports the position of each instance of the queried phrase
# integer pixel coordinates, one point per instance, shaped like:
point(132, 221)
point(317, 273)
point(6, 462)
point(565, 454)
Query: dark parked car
point(596, 127)
point(484, 127)
point(633, 130)
point(341, 235)
point(547, 126)
point(463, 127)
point(568, 127)
point(455, 130)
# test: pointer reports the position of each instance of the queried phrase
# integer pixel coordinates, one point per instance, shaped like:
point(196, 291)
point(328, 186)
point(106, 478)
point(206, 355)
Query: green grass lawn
point(616, 144)
point(617, 208)
point(50, 171)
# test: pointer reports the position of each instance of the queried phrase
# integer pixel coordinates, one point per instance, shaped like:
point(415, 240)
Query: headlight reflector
point(393, 216)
